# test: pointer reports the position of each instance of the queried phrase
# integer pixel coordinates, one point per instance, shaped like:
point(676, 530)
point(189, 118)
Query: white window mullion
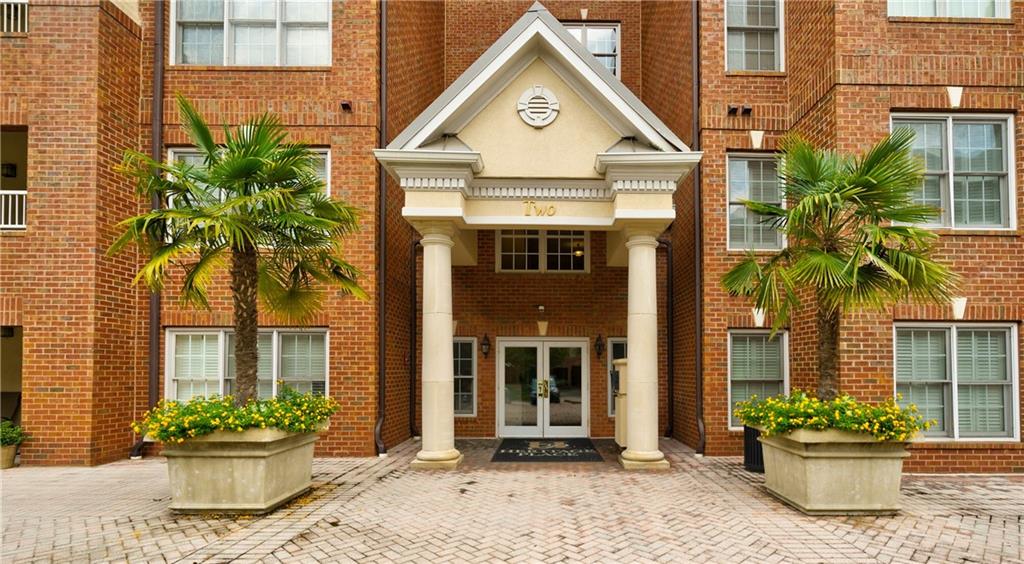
point(950, 174)
point(279, 10)
point(275, 355)
point(222, 357)
point(951, 346)
point(228, 39)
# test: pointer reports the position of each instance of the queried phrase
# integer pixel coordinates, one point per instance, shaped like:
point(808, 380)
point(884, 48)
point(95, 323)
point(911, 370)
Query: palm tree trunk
point(828, 352)
point(243, 293)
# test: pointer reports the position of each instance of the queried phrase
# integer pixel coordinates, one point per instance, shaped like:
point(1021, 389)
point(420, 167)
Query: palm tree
point(257, 203)
point(852, 241)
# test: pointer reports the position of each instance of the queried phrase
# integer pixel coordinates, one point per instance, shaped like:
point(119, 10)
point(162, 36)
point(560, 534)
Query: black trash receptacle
point(753, 454)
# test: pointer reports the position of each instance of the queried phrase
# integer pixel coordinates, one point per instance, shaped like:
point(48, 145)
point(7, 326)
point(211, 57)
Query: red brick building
point(543, 238)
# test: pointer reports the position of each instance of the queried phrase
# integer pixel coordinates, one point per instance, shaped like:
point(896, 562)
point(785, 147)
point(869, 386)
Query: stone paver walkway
point(376, 509)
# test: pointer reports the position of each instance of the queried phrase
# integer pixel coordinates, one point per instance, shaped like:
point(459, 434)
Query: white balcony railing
point(13, 16)
point(13, 209)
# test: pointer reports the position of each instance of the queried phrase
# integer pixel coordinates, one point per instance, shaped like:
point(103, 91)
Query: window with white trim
point(966, 163)
point(252, 32)
point(962, 376)
point(950, 8)
point(752, 178)
point(201, 362)
point(533, 250)
point(616, 350)
point(601, 40)
point(753, 35)
point(195, 158)
point(758, 366)
point(464, 355)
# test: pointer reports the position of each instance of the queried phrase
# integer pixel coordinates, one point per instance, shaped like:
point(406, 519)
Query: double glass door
point(543, 388)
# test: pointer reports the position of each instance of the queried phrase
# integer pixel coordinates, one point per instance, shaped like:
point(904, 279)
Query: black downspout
point(156, 150)
point(413, 253)
point(698, 244)
point(670, 333)
point(382, 222)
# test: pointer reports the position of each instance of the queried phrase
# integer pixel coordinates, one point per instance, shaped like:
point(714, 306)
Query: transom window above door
point(966, 162)
point(601, 39)
point(251, 32)
point(534, 250)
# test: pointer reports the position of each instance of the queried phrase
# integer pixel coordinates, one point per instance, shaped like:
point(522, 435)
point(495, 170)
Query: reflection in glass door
point(543, 388)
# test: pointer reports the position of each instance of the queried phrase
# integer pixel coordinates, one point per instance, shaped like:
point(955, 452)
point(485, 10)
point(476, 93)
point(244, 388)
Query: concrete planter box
point(7, 456)
point(253, 471)
point(834, 472)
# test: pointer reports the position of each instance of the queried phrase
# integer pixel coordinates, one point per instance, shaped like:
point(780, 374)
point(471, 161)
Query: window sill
point(13, 34)
point(757, 252)
point(952, 232)
point(937, 19)
point(13, 232)
point(739, 73)
point(947, 443)
point(242, 68)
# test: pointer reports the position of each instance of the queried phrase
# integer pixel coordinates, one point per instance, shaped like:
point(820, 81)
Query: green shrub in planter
point(886, 421)
point(11, 434)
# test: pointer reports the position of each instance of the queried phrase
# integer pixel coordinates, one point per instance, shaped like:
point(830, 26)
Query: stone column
point(642, 345)
point(438, 373)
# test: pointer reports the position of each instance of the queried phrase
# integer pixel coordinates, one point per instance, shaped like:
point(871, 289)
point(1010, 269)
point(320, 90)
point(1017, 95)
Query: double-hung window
point(752, 178)
point(196, 159)
point(950, 8)
point(967, 162)
point(201, 362)
point(753, 30)
point(533, 250)
point(616, 350)
point(964, 377)
point(252, 32)
point(464, 355)
point(601, 40)
point(758, 366)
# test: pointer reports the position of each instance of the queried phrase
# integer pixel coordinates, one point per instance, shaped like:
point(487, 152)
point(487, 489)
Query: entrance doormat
point(546, 450)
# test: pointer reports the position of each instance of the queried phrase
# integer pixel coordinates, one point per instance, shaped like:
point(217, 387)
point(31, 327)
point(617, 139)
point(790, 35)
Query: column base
point(645, 462)
point(430, 461)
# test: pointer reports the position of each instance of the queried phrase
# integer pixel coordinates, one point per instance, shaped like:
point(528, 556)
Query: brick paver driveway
point(377, 509)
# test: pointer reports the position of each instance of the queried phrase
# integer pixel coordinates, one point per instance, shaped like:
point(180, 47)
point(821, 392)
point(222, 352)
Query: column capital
point(646, 238)
point(436, 232)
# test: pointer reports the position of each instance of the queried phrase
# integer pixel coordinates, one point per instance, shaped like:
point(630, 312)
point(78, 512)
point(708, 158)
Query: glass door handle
point(542, 389)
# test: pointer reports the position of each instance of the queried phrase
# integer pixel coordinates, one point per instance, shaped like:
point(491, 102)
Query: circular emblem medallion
point(538, 106)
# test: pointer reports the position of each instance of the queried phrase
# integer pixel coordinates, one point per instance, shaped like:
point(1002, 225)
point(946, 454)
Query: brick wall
point(308, 101)
point(79, 324)
point(848, 68)
point(415, 78)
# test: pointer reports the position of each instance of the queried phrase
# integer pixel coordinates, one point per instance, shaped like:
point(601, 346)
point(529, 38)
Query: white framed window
point(758, 365)
point(601, 40)
point(535, 250)
point(964, 376)
point(754, 178)
point(201, 362)
point(464, 355)
point(754, 35)
point(616, 350)
point(192, 156)
point(950, 8)
point(967, 162)
point(251, 32)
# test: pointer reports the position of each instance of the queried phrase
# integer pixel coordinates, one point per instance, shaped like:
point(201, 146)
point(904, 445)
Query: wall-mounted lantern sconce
point(485, 345)
point(746, 110)
point(346, 106)
point(599, 346)
point(732, 109)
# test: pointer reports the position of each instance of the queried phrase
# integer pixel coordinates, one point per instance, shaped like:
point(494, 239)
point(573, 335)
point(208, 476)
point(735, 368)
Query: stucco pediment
point(564, 148)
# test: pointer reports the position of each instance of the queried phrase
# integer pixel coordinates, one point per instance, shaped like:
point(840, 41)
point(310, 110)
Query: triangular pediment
point(538, 44)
